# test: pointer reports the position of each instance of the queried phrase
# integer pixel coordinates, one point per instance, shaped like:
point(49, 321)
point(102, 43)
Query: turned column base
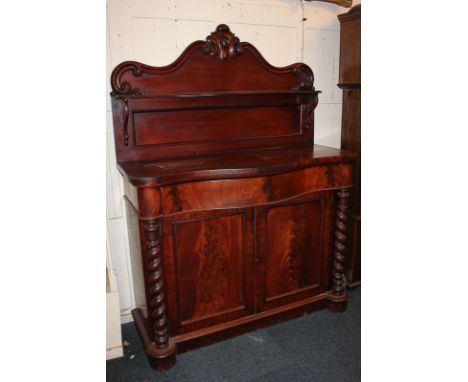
point(159, 359)
point(336, 303)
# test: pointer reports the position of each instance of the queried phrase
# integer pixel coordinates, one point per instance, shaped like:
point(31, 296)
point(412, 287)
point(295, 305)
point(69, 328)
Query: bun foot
point(336, 303)
point(159, 358)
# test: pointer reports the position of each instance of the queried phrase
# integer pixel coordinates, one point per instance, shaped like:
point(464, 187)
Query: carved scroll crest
point(222, 43)
point(124, 88)
point(308, 83)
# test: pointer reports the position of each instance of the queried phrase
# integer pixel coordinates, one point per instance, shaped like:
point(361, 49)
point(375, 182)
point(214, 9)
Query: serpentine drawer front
point(241, 218)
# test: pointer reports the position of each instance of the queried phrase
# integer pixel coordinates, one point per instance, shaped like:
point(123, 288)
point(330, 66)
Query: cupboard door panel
point(211, 256)
point(292, 242)
point(293, 247)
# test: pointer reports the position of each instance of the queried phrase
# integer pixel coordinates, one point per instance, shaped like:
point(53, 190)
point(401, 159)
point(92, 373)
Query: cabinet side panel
point(135, 255)
point(350, 52)
point(351, 140)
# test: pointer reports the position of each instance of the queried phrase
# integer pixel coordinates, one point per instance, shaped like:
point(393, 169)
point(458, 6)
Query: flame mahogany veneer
point(242, 219)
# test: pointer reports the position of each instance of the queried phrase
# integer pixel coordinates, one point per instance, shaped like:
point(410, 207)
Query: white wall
point(114, 347)
point(156, 31)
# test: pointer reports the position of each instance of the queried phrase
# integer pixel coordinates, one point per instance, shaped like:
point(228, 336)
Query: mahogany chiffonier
point(242, 219)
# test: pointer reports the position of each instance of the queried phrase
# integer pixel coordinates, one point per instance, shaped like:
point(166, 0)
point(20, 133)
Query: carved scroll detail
point(308, 83)
point(338, 287)
point(222, 43)
point(132, 78)
point(309, 112)
point(157, 304)
point(120, 87)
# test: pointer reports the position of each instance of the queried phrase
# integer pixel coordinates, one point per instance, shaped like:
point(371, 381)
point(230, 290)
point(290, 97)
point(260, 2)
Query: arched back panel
point(219, 95)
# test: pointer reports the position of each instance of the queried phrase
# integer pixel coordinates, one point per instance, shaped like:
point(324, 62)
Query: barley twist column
point(338, 286)
point(337, 295)
point(154, 331)
point(157, 306)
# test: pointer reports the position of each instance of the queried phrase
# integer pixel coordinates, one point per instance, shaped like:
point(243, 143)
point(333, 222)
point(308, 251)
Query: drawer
point(247, 192)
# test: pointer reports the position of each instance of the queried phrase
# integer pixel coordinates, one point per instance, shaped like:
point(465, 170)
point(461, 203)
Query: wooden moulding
point(233, 165)
point(353, 13)
point(194, 340)
point(160, 359)
point(164, 359)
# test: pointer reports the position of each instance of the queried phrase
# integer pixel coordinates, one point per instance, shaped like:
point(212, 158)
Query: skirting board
point(114, 353)
point(114, 347)
point(127, 317)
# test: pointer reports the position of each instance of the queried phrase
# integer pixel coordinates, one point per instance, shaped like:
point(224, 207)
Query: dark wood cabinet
point(242, 218)
point(350, 82)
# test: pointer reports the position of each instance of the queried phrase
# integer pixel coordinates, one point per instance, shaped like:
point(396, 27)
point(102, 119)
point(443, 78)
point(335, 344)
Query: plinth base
point(159, 358)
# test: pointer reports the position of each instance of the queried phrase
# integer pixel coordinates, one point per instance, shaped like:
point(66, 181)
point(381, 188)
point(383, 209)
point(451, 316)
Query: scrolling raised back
point(220, 95)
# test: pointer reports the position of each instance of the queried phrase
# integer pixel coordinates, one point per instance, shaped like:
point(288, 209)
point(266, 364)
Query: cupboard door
point(293, 250)
point(211, 260)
